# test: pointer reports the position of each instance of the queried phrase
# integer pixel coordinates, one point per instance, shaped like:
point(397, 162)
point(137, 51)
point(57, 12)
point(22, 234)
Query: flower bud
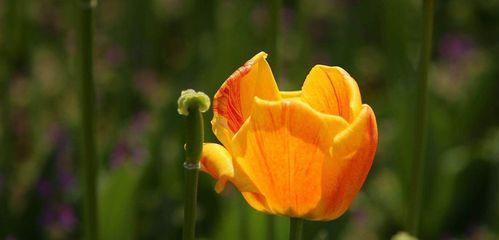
point(189, 98)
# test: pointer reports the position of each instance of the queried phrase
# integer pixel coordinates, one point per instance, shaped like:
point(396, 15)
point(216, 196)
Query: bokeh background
point(147, 51)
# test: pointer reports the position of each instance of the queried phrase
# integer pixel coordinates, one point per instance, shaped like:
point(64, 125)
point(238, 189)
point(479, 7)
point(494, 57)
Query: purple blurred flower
point(119, 154)
point(453, 47)
point(130, 147)
point(66, 217)
point(59, 216)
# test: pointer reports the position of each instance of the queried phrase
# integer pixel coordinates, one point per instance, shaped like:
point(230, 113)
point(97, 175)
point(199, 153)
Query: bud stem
point(193, 151)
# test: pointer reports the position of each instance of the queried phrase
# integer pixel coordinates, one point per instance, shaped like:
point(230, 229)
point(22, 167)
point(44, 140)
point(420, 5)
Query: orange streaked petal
point(331, 90)
point(281, 148)
point(352, 156)
point(233, 102)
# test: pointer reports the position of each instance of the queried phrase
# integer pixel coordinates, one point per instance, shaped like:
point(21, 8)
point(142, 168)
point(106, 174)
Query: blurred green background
point(147, 51)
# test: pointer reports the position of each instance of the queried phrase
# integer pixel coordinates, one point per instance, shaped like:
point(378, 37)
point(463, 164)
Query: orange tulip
point(302, 154)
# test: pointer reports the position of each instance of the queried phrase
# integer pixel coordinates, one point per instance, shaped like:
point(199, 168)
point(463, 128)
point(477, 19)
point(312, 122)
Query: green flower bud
point(190, 98)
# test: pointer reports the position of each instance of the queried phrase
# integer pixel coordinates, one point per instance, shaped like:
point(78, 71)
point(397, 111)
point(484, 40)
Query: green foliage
point(117, 198)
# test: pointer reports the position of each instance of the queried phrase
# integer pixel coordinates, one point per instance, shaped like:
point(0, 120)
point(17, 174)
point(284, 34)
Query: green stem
point(295, 228)
point(243, 219)
point(7, 136)
point(6, 153)
point(13, 56)
point(87, 106)
point(5, 74)
point(193, 151)
point(422, 119)
point(270, 227)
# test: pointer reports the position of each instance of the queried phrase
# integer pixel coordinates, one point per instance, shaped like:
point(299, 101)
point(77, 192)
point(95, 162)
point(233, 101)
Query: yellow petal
point(282, 148)
point(331, 90)
point(217, 162)
point(233, 102)
point(290, 94)
point(352, 156)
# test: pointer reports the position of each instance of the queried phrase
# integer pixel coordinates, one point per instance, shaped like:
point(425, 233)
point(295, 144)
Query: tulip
point(303, 154)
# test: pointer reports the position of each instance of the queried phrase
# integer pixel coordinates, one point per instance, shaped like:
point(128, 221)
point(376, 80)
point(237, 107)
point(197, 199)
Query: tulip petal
point(256, 201)
point(282, 148)
point(217, 162)
point(233, 102)
point(331, 90)
point(352, 156)
point(290, 94)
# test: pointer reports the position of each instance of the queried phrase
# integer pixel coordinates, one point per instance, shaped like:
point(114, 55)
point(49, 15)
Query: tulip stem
point(193, 151)
point(87, 107)
point(421, 124)
point(270, 227)
point(295, 228)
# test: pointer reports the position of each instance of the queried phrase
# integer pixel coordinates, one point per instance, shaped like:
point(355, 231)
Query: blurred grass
point(147, 51)
point(117, 196)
